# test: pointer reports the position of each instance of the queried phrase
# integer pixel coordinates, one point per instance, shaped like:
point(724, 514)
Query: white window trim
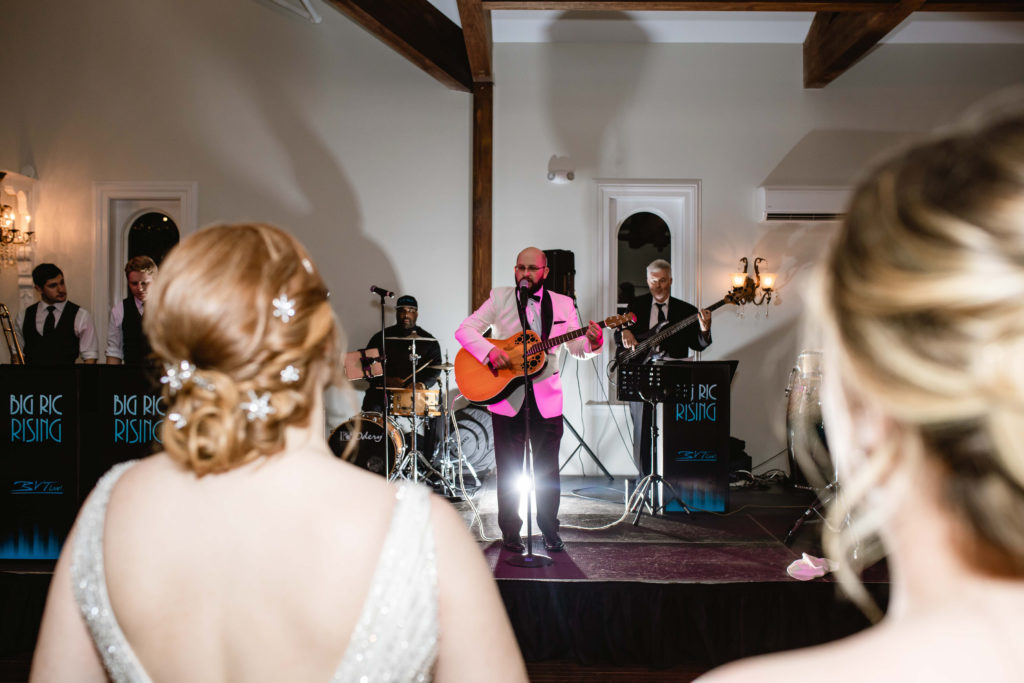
point(685, 250)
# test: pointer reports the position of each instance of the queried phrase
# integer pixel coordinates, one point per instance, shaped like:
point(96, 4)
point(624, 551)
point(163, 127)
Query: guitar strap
point(547, 315)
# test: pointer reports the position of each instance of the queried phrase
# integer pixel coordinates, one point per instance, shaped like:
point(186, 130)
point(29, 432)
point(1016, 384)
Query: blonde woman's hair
point(922, 304)
point(213, 306)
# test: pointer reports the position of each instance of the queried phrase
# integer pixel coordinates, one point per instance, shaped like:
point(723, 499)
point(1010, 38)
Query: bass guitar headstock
point(741, 295)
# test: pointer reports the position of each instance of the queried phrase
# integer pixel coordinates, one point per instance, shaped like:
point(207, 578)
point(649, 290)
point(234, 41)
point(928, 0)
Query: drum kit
point(389, 443)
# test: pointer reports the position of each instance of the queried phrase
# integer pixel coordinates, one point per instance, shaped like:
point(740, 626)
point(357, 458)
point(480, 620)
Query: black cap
point(406, 301)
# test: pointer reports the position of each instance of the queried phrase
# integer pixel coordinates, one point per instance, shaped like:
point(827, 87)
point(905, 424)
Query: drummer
point(399, 365)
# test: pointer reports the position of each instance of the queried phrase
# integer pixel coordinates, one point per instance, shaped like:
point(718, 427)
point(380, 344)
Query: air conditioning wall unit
point(801, 203)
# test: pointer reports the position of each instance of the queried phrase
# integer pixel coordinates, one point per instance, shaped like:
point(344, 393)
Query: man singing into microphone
point(549, 315)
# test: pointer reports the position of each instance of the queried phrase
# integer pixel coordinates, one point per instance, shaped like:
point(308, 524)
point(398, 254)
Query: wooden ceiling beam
point(836, 41)
point(476, 30)
point(751, 5)
point(419, 32)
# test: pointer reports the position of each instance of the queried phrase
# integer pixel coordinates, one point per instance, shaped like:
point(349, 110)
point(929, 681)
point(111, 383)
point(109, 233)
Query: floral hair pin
point(176, 376)
point(178, 419)
point(258, 407)
point(290, 375)
point(284, 308)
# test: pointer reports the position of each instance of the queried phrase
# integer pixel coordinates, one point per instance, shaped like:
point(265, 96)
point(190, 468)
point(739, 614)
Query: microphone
point(522, 294)
point(379, 291)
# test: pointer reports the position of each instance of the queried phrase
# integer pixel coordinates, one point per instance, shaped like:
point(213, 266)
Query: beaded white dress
point(394, 640)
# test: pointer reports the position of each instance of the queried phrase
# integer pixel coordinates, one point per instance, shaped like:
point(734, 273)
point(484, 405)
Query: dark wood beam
point(476, 29)
point(750, 5)
point(836, 41)
point(419, 32)
point(483, 180)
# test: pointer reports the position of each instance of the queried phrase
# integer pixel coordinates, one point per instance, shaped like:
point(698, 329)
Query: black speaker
point(561, 272)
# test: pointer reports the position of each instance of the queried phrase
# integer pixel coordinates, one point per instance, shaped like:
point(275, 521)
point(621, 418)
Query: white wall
point(727, 115)
point(318, 128)
point(324, 130)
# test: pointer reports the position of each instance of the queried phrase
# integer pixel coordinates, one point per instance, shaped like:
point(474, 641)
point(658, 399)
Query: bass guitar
point(480, 383)
point(655, 336)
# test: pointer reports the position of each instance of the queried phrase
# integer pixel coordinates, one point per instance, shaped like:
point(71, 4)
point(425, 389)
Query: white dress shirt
point(84, 329)
point(115, 340)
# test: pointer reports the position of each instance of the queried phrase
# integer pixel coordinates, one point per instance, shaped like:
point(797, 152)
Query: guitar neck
point(652, 341)
point(560, 339)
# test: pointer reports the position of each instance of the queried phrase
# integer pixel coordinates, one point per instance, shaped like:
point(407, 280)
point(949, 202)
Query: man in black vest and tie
point(651, 310)
point(55, 331)
point(125, 341)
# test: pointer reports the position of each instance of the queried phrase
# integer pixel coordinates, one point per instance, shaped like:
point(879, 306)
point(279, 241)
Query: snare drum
point(428, 402)
point(368, 449)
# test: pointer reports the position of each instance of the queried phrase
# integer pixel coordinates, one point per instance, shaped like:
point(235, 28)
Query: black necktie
point(661, 312)
point(51, 321)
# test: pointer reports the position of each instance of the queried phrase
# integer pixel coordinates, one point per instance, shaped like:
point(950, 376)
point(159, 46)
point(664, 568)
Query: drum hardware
point(413, 338)
point(414, 456)
point(13, 345)
point(448, 474)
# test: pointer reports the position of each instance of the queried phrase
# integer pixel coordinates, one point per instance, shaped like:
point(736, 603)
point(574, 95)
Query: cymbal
point(442, 366)
point(412, 338)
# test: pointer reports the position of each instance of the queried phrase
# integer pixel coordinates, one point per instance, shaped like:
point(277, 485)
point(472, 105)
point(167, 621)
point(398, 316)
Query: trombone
point(13, 345)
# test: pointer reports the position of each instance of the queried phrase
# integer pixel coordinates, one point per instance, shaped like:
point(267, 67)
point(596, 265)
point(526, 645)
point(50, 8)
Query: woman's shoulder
point(943, 645)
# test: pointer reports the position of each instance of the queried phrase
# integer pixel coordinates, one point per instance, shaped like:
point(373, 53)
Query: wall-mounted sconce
point(761, 282)
point(15, 221)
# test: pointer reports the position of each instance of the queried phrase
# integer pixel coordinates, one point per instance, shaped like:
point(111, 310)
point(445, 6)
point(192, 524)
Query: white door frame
point(677, 202)
point(111, 239)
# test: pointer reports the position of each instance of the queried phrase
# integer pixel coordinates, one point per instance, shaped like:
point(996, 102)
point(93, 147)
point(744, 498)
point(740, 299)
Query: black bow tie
point(535, 297)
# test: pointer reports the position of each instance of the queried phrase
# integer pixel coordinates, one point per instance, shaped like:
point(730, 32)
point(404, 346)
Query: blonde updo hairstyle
point(922, 307)
point(213, 306)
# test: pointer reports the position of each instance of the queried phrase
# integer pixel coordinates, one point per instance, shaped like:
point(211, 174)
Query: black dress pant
point(509, 440)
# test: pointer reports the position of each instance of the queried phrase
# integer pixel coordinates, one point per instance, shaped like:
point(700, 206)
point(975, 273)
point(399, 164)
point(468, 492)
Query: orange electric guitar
point(480, 383)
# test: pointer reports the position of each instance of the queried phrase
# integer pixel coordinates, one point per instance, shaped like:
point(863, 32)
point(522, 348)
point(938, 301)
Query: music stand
point(646, 383)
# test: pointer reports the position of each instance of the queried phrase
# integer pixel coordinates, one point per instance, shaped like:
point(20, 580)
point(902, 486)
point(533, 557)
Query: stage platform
point(665, 600)
point(679, 593)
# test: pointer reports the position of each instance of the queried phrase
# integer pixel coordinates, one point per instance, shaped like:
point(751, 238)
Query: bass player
point(654, 311)
point(549, 315)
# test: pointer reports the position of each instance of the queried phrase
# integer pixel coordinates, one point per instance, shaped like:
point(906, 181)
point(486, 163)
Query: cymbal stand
point(447, 464)
point(415, 453)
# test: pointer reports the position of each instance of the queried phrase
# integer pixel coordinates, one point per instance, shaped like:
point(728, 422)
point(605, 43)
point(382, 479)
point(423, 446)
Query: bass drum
point(365, 435)
point(809, 461)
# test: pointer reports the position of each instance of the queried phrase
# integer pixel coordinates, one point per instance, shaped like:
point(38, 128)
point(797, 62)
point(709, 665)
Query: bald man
point(549, 315)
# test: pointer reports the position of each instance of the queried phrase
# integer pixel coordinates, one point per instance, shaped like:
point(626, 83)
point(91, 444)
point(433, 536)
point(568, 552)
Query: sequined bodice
point(394, 640)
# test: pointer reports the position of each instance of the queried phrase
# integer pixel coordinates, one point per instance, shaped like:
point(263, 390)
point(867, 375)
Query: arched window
point(643, 237)
point(152, 234)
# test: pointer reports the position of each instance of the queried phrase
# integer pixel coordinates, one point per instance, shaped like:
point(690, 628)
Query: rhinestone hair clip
point(176, 376)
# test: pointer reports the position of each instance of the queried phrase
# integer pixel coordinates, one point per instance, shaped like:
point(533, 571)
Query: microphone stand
point(384, 380)
point(528, 560)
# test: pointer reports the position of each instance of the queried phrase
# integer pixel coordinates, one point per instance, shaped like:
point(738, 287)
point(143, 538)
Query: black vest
point(60, 347)
point(134, 343)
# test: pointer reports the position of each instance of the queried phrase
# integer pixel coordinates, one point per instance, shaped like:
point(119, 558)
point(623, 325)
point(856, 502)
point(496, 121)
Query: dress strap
point(90, 584)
